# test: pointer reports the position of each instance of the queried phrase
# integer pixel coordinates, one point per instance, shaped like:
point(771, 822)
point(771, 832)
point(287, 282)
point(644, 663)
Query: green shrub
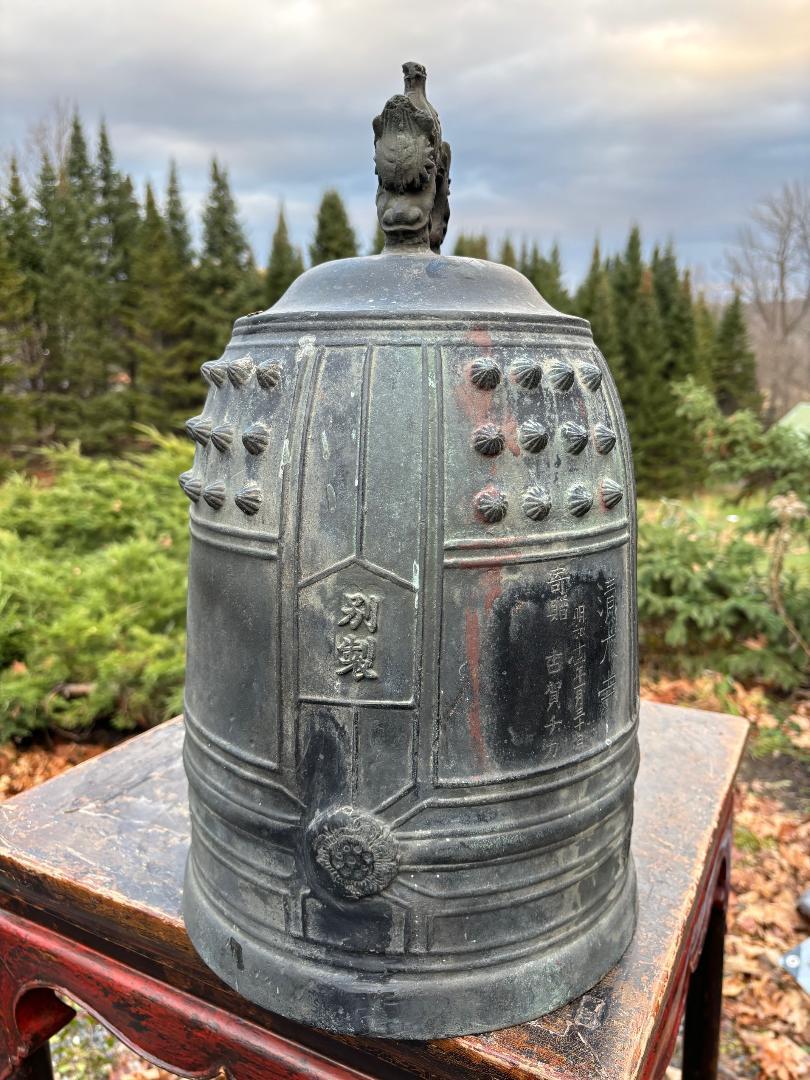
point(92, 591)
point(705, 600)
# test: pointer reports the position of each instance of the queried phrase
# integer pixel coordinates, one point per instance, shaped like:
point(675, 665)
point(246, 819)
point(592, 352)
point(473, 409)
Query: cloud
point(565, 120)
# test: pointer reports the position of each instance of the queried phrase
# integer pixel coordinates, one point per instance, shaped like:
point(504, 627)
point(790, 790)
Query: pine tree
point(735, 376)
point(160, 355)
point(682, 460)
point(594, 302)
point(189, 393)
point(19, 223)
point(705, 342)
point(227, 284)
point(507, 255)
point(79, 170)
point(645, 397)
point(334, 236)
point(677, 315)
point(176, 220)
point(21, 354)
point(75, 380)
point(117, 216)
point(626, 272)
point(16, 331)
point(285, 265)
point(115, 230)
point(547, 277)
point(523, 259)
point(472, 246)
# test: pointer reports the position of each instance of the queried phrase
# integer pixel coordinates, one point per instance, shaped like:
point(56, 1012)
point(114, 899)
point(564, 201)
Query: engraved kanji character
point(557, 609)
point(355, 654)
point(579, 613)
point(558, 580)
point(553, 692)
point(607, 688)
point(606, 643)
point(359, 608)
point(609, 598)
point(554, 662)
point(553, 721)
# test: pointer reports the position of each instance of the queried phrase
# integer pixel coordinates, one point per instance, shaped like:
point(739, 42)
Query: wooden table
point(91, 870)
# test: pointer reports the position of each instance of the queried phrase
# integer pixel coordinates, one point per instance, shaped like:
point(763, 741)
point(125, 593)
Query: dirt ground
point(766, 1028)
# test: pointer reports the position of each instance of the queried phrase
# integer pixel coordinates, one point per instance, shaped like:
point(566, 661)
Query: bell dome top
point(393, 286)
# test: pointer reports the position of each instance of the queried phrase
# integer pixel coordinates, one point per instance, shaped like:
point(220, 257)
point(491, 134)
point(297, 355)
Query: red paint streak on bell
point(509, 429)
point(482, 339)
point(472, 400)
point(473, 639)
point(493, 588)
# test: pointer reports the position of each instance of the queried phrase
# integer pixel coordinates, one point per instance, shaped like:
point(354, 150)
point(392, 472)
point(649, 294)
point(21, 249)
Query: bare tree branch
point(770, 265)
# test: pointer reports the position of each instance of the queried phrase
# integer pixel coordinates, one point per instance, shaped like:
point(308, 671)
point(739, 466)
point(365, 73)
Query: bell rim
point(479, 1001)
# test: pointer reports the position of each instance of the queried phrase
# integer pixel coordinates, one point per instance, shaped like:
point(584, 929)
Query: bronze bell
point(412, 685)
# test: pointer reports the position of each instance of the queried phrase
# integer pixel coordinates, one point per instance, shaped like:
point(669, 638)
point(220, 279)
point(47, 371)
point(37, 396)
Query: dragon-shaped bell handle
point(412, 164)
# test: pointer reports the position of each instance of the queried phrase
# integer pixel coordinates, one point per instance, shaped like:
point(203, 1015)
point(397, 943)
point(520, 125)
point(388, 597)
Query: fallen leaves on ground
point(21, 769)
point(129, 1066)
point(771, 868)
point(768, 1010)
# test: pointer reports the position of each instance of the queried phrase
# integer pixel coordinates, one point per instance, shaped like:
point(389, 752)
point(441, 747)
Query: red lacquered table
point(91, 871)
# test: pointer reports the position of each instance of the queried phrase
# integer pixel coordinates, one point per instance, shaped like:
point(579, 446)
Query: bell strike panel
point(360, 529)
point(360, 539)
point(535, 663)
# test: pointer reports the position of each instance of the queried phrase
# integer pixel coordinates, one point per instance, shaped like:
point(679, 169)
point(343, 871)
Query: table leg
point(704, 1002)
point(35, 1067)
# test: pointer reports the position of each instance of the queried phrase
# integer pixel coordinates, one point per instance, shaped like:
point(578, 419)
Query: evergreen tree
point(645, 397)
point(334, 236)
point(735, 376)
point(77, 400)
point(16, 331)
point(189, 394)
point(176, 220)
point(594, 302)
point(625, 273)
point(116, 225)
point(117, 216)
point(680, 361)
point(285, 265)
point(160, 354)
point(227, 284)
point(547, 278)
point(472, 246)
point(19, 223)
point(507, 254)
point(80, 172)
point(705, 342)
point(21, 355)
point(675, 305)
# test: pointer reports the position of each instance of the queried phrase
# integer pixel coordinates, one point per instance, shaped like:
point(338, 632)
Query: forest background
point(107, 311)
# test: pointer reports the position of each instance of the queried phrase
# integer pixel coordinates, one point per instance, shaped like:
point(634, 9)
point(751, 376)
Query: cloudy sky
point(565, 119)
